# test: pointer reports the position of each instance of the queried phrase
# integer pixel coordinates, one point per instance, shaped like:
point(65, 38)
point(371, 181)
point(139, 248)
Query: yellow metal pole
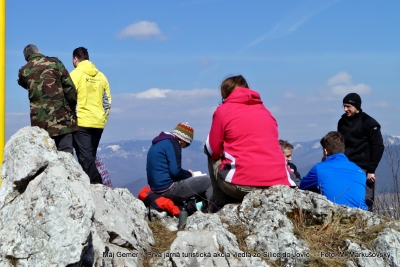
point(2, 80)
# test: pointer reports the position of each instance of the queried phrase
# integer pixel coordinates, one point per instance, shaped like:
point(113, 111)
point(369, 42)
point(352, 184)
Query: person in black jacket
point(363, 141)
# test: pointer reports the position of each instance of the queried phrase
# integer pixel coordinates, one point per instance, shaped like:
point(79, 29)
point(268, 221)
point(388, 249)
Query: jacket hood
point(244, 96)
point(163, 136)
point(87, 67)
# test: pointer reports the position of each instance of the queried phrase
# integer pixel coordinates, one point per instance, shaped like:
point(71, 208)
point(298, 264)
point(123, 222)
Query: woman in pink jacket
point(242, 145)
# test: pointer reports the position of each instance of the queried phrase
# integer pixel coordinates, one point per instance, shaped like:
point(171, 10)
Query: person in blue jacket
point(165, 174)
point(340, 180)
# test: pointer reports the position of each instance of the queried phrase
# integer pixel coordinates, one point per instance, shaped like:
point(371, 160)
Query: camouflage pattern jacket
point(52, 94)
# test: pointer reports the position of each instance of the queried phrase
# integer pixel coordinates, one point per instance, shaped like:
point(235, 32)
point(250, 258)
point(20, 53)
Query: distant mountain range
point(126, 161)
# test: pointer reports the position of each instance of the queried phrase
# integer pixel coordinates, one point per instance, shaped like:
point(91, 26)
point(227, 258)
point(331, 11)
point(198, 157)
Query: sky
point(165, 60)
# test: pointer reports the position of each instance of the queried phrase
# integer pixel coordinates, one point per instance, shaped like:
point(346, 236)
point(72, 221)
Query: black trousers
point(370, 196)
point(86, 141)
point(64, 143)
point(369, 193)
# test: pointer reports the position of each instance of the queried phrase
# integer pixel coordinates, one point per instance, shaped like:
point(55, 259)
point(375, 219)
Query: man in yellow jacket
point(94, 103)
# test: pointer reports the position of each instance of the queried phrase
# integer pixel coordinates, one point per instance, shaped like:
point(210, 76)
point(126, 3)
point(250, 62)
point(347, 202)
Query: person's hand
point(370, 177)
point(191, 172)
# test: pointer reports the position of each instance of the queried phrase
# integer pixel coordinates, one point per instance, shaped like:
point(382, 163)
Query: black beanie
point(353, 99)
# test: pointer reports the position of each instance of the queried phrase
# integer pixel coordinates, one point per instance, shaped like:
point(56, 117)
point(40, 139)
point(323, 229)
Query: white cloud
point(340, 90)
point(294, 20)
point(341, 84)
point(153, 93)
point(187, 95)
point(142, 30)
point(381, 104)
point(340, 78)
point(144, 114)
point(361, 89)
point(289, 95)
point(312, 125)
point(114, 147)
point(195, 93)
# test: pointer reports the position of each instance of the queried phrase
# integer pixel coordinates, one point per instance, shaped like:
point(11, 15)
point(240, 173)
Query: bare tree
point(388, 204)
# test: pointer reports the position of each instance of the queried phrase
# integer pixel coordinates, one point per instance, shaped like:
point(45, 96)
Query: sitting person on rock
point(287, 149)
point(340, 180)
point(242, 146)
point(165, 175)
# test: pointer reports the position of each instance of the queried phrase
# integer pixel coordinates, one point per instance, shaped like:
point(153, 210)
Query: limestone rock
point(361, 256)
point(171, 223)
point(49, 224)
point(269, 229)
point(229, 215)
point(26, 154)
point(120, 218)
point(52, 216)
point(387, 244)
point(205, 242)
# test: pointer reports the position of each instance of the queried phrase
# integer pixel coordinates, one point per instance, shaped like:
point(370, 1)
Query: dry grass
point(326, 236)
point(163, 240)
point(240, 232)
point(388, 205)
point(13, 261)
point(330, 236)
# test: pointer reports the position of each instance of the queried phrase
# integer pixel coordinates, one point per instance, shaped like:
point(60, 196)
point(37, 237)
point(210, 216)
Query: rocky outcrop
point(51, 216)
point(268, 222)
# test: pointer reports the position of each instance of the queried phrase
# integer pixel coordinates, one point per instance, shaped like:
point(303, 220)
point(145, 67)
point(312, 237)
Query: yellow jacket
point(94, 98)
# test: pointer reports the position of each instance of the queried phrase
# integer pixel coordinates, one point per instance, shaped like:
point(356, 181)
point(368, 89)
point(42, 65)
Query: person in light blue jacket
point(340, 180)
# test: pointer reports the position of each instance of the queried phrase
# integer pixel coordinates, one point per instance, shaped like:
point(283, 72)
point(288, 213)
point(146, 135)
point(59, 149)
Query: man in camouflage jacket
point(52, 96)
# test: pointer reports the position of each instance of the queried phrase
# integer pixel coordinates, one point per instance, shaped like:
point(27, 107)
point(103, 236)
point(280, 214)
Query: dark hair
point(333, 142)
point(229, 84)
point(29, 50)
point(285, 145)
point(81, 53)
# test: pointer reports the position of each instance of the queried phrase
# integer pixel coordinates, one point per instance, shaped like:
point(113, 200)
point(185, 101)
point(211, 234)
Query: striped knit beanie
point(184, 132)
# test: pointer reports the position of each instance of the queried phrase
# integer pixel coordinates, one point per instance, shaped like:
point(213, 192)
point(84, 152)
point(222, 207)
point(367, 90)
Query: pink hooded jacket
point(244, 135)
